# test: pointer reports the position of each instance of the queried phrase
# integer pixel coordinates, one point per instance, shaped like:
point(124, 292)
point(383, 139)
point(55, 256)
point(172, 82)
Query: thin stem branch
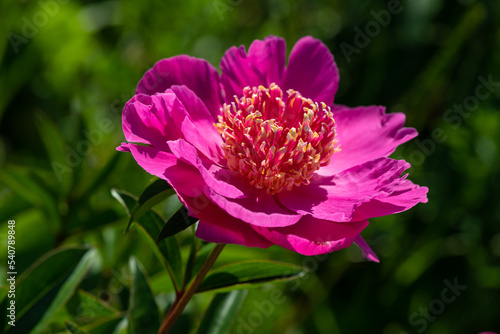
point(182, 300)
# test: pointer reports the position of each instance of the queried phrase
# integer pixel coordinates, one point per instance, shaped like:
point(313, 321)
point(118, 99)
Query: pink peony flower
point(261, 155)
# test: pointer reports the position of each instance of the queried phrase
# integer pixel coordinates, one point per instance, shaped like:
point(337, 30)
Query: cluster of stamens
point(277, 143)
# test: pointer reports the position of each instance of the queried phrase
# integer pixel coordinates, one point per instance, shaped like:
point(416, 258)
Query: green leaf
point(67, 289)
point(177, 223)
point(148, 226)
point(33, 191)
point(73, 328)
point(85, 308)
point(107, 325)
point(101, 177)
point(44, 274)
point(155, 193)
point(25, 186)
point(222, 312)
point(3, 292)
point(11, 205)
point(144, 316)
point(48, 284)
point(241, 275)
point(167, 251)
point(55, 144)
point(92, 219)
point(126, 199)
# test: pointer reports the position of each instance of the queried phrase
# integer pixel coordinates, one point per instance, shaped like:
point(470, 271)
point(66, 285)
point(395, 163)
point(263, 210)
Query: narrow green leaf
point(48, 283)
point(153, 190)
point(177, 223)
point(11, 204)
point(55, 144)
point(101, 177)
point(25, 186)
point(245, 274)
point(3, 292)
point(44, 274)
point(167, 251)
point(95, 219)
point(144, 316)
point(155, 193)
point(222, 312)
point(126, 199)
point(29, 188)
point(67, 289)
point(73, 328)
point(121, 328)
point(107, 325)
point(149, 226)
point(86, 308)
point(4, 303)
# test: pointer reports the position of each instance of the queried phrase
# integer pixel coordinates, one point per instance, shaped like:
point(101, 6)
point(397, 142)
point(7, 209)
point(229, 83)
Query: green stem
point(184, 297)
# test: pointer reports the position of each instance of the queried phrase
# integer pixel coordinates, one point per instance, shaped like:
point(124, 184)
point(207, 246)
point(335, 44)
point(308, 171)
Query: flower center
point(277, 143)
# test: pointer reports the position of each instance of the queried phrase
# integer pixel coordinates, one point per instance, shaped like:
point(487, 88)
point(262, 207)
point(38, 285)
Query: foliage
point(65, 82)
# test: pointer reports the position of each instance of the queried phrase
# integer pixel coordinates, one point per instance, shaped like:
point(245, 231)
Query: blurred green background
point(68, 67)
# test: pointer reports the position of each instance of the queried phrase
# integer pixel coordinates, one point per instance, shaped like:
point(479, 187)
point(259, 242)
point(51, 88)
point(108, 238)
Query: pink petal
point(337, 197)
point(195, 107)
point(368, 253)
point(217, 178)
point(258, 208)
point(123, 147)
point(197, 74)
point(406, 195)
point(312, 236)
point(146, 120)
point(263, 65)
point(364, 134)
point(217, 226)
point(160, 118)
point(204, 140)
point(269, 56)
point(183, 177)
point(196, 123)
point(312, 71)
